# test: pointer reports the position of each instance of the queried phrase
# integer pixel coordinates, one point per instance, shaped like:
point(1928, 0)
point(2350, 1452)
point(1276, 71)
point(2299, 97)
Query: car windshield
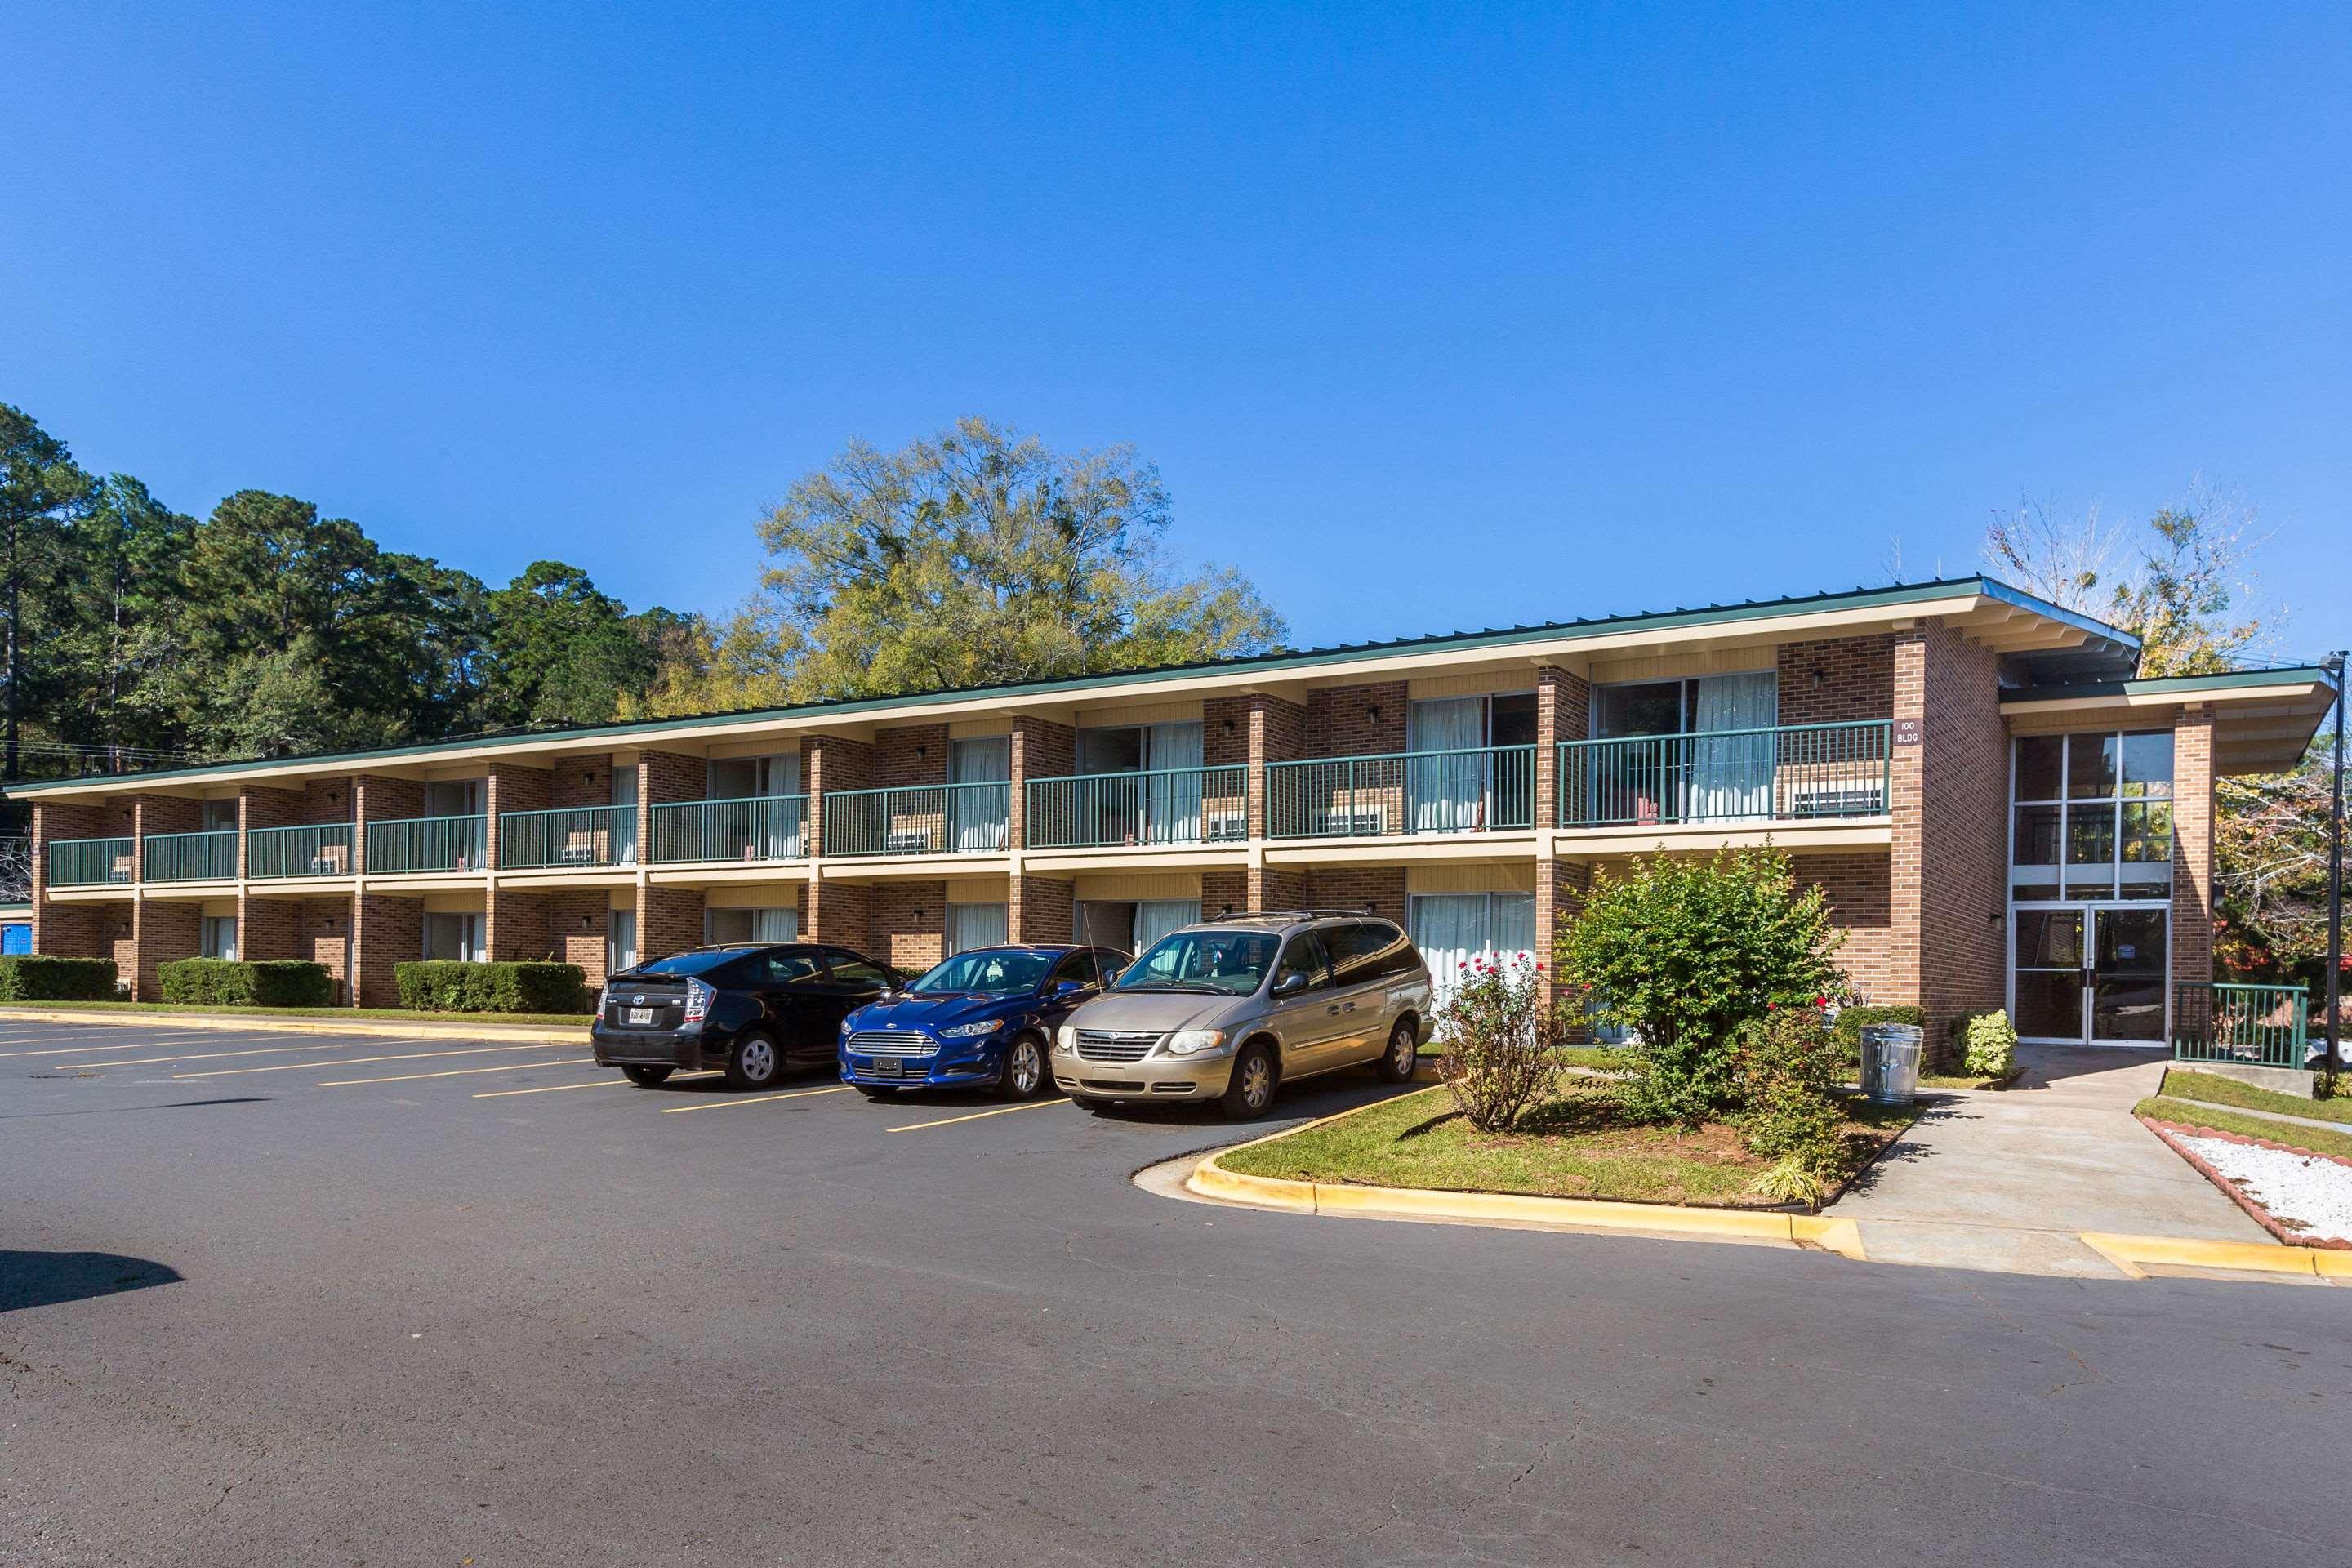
point(1231, 961)
point(992, 970)
point(686, 962)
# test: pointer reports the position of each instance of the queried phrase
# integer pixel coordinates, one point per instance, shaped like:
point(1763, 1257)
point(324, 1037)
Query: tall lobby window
point(2091, 816)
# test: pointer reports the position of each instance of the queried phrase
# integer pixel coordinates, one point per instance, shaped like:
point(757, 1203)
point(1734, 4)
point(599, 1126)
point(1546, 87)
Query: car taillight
point(698, 1001)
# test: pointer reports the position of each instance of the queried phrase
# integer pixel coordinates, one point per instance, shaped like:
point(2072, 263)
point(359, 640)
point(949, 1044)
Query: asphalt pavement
point(356, 1300)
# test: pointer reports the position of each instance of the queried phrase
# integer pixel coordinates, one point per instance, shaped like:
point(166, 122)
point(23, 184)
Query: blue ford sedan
point(981, 1020)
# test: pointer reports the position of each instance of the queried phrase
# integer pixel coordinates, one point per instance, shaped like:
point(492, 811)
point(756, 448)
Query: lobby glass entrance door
point(2089, 974)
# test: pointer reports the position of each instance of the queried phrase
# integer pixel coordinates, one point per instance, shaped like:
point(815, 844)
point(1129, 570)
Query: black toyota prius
point(757, 1010)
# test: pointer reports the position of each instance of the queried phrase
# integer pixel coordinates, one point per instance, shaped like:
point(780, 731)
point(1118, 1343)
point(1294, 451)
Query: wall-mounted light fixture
point(587, 922)
point(1229, 726)
point(1373, 713)
point(922, 750)
point(1821, 677)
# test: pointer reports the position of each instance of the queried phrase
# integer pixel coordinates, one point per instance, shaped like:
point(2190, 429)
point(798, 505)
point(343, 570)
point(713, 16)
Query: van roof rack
point(1289, 915)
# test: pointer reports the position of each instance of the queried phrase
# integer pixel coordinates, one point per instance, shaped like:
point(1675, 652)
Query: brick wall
point(1860, 907)
point(1858, 679)
point(1225, 892)
point(1375, 889)
point(1357, 720)
point(1277, 733)
point(513, 788)
point(670, 919)
point(515, 926)
point(267, 927)
point(323, 935)
point(385, 931)
point(120, 939)
point(908, 923)
point(379, 799)
point(67, 930)
point(327, 800)
point(582, 780)
point(1041, 750)
point(1040, 909)
point(1272, 889)
point(168, 814)
point(907, 756)
point(162, 931)
point(1226, 731)
point(1561, 887)
point(829, 763)
point(840, 913)
point(1948, 866)
point(77, 930)
point(2192, 853)
point(580, 929)
point(1563, 706)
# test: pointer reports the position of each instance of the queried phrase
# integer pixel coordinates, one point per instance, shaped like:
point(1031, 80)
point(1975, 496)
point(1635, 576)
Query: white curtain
point(1447, 794)
point(1453, 929)
point(1172, 810)
point(977, 925)
point(621, 943)
point(976, 816)
point(1732, 777)
point(1155, 918)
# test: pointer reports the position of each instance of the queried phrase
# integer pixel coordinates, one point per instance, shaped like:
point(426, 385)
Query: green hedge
point(448, 985)
point(46, 977)
point(262, 982)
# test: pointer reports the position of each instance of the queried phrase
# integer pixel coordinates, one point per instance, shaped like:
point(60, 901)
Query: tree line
point(135, 634)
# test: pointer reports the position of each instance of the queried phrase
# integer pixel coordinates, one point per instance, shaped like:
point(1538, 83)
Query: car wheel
point(753, 1062)
point(1025, 1069)
point(1251, 1089)
point(1404, 1054)
point(647, 1078)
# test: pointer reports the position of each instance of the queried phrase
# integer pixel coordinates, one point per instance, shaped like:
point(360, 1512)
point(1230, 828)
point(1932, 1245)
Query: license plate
point(885, 1066)
point(641, 1015)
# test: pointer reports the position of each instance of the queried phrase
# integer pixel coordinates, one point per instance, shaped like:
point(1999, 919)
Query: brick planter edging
point(2172, 1131)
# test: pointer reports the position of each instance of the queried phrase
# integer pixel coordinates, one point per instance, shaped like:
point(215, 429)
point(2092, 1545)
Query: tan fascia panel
point(1063, 706)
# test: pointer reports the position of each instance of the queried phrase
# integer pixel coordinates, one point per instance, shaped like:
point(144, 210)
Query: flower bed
point(2300, 1194)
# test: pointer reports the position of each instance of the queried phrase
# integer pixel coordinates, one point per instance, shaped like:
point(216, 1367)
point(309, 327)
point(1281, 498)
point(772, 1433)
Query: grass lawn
point(1572, 1147)
point(2195, 1114)
point(1962, 1080)
point(398, 1014)
point(2215, 1089)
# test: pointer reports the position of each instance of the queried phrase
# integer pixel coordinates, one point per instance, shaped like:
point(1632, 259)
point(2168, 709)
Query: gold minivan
point(1228, 1009)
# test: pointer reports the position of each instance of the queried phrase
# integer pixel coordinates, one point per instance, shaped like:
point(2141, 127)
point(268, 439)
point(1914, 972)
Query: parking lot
point(347, 1299)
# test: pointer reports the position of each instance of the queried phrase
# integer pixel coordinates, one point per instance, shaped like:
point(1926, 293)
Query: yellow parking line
point(600, 1083)
point(976, 1115)
point(451, 1072)
point(188, 1056)
point(357, 1062)
point(85, 1049)
point(754, 1099)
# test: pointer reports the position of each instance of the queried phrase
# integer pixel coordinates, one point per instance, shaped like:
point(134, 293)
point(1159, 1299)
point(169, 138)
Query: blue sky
point(1572, 309)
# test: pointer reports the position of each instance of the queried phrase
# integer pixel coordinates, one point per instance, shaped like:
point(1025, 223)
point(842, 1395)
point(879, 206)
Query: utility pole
point(2335, 881)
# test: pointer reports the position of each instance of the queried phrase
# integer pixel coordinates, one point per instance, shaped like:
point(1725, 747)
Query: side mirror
point(1290, 984)
point(1069, 987)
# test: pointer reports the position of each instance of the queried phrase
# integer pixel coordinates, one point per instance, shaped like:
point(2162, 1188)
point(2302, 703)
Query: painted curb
point(2132, 1254)
point(1212, 1180)
point(532, 1033)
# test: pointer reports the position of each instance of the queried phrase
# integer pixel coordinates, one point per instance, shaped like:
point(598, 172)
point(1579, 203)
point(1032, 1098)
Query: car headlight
point(1066, 1040)
point(1195, 1042)
point(971, 1031)
point(845, 1030)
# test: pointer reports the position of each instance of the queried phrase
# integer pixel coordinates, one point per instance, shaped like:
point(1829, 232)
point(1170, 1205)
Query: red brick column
point(514, 927)
point(1560, 888)
point(2192, 850)
point(1272, 889)
point(379, 799)
point(908, 923)
point(1040, 909)
point(831, 762)
point(70, 931)
point(1277, 733)
point(511, 787)
point(670, 919)
point(840, 913)
point(386, 930)
point(161, 931)
point(1562, 703)
point(1041, 750)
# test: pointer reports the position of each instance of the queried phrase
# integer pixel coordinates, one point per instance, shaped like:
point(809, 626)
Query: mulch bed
point(2173, 1132)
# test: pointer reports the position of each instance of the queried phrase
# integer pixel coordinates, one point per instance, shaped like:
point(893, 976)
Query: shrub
point(1850, 1021)
point(1986, 1044)
point(262, 982)
point(48, 977)
point(1683, 952)
point(1499, 1039)
point(451, 986)
point(1786, 1069)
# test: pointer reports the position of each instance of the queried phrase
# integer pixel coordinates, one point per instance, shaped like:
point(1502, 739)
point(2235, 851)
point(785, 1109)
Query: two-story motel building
point(2000, 812)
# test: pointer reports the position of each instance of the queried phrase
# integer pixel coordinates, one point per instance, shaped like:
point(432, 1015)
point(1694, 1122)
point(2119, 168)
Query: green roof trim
point(2175, 685)
point(1891, 597)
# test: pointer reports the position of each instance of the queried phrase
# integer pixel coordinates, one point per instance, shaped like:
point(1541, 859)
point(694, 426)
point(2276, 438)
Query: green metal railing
point(320, 849)
point(1789, 772)
point(428, 844)
point(1473, 790)
point(89, 862)
point(1166, 806)
point(750, 828)
point(571, 836)
point(930, 819)
point(191, 857)
point(2261, 1026)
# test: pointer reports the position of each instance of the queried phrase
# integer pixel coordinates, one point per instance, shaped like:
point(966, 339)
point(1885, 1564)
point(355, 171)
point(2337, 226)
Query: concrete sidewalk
point(2007, 1179)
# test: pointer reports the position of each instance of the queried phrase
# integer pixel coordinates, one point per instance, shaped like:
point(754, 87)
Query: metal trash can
point(1890, 1063)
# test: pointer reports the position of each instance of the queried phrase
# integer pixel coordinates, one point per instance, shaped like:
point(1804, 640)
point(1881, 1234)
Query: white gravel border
point(2294, 1187)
